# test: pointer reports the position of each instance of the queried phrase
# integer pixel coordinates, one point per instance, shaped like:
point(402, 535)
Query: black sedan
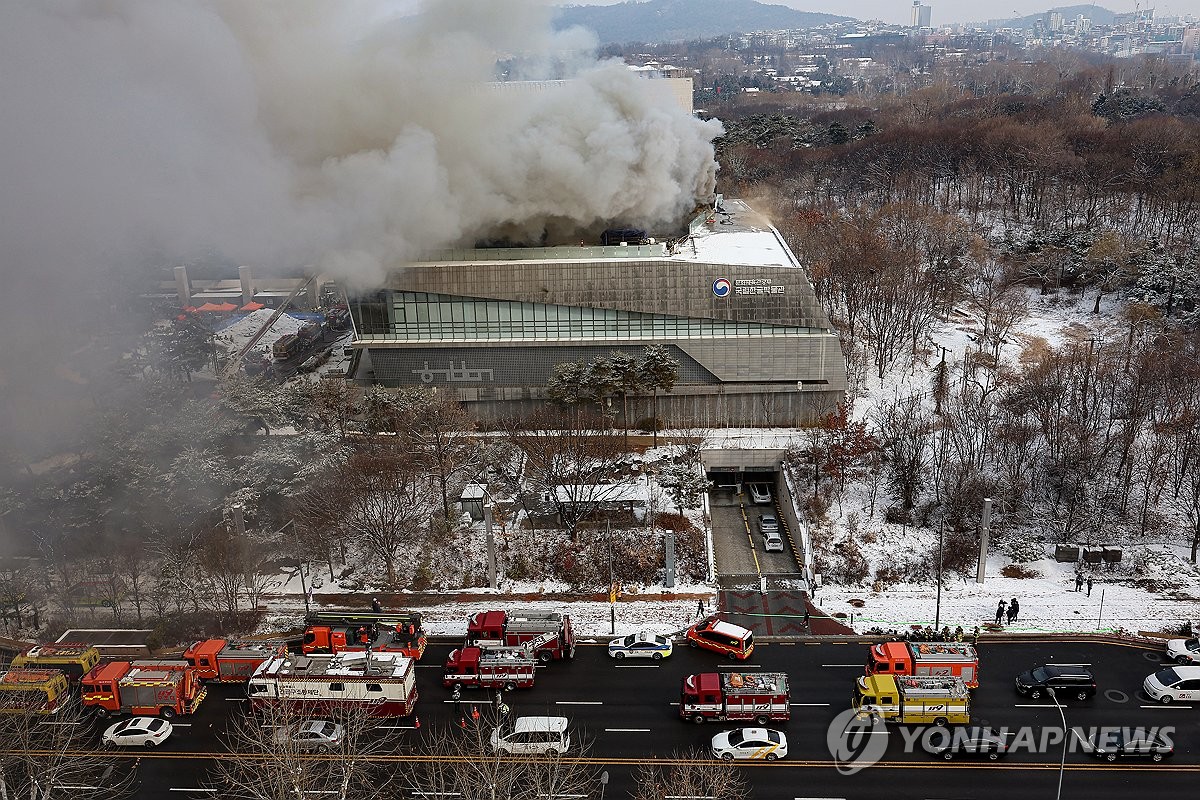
point(1113, 743)
point(973, 741)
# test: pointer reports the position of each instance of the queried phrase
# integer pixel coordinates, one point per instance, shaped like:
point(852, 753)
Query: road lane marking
point(636, 666)
point(579, 702)
point(627, 730)
point(739, 666)
point(181, 724)
point(54, 722)
point(396, 727)
point(1033, 705)
point(1160, 705)
point(173, 789)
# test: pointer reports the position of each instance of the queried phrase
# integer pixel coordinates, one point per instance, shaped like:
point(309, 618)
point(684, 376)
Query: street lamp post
point(603, 783)
point(1062, 765)
point(612, 582)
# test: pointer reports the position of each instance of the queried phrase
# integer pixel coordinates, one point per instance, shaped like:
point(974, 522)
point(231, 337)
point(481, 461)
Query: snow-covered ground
point(233, 337)
point(1153, 589)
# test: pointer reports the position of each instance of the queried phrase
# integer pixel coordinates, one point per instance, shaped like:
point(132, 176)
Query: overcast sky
point(945, 11)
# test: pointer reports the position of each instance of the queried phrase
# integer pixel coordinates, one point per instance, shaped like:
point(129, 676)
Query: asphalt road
point(628, 714)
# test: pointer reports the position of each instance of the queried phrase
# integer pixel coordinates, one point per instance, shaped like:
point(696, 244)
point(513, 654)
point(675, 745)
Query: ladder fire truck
point(381, 684)
point(146, 687)
point(735, 696)
point(926, 659)
point(548, 635)
point(33, 691)
point(73, 658)
point(499, 667)
point(231, 661)
point(914, 701)
point(386, 632)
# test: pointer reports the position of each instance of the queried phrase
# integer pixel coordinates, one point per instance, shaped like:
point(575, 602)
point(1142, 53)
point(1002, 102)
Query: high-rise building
point(921, 14)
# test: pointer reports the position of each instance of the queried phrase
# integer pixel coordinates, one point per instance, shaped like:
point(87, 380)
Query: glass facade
point(421, 316)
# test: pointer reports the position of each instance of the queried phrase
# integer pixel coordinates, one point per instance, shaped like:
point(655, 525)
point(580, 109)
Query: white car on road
point(137, 732)
point(1173, 683)
point(311, 734)
point(641, 645)
point(1184, 651)
point(749, 743)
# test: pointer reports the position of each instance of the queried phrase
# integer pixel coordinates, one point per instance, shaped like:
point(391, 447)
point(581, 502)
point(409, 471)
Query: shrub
point(1019, 571)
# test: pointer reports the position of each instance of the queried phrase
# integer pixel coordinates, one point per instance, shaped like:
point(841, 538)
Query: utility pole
point(612, 581)
point(491, 544)
point(984, 529)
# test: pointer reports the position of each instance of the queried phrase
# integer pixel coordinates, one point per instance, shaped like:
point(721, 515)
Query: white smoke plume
point(339, 134)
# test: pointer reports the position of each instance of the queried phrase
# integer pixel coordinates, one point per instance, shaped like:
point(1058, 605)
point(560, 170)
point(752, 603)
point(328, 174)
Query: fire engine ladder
point(538, 641)
point(236, 362)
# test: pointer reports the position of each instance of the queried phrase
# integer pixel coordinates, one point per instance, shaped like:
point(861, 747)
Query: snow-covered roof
point(603, 493)
point(735, 234)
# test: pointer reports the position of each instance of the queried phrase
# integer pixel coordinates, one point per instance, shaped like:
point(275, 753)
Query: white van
point(1173, 683)
point(533, 735)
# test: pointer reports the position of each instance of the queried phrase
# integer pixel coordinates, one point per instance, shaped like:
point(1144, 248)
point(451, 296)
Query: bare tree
point(40, 761)
point(462, 763)
point(575, 466)
point(380, 498)
point(689, 775)
point(268, 760)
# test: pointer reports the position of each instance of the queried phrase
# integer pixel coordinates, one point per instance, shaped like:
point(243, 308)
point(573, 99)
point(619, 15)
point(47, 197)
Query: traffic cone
point(416, 721)
point(474, 713)
point(462, 722)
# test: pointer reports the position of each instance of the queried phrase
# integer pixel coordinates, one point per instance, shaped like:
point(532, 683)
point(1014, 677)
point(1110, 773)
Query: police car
point(749, 743)
point(641, 645)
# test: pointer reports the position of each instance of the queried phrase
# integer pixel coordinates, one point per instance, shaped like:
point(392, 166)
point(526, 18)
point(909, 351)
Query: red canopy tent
point(209, 307)
point(252, 306)
point(226, 307)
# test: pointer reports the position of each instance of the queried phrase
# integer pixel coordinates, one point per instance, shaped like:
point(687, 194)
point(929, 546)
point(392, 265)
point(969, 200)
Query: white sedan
point(1184, 651)
point(749, 743)
point(641, 645)
point(137, 731)
point(311, 734)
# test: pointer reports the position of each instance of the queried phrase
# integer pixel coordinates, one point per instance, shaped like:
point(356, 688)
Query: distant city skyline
point(944, 12)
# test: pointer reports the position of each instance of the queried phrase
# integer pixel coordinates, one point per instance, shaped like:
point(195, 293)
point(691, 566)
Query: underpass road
point(628, 712)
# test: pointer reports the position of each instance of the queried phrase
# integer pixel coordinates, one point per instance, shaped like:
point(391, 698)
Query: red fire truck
point(926, 659)
point(735, 697)
point(547, 634)
point(336, 631)
point(382, 684)
point(229, 661)
point(165, 688)
point(500, 667)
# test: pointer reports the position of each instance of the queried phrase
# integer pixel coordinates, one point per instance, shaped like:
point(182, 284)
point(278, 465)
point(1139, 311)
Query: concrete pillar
point(246, 276)
point(182, 287)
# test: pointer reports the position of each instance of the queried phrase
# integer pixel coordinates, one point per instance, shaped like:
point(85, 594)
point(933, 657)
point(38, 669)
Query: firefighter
point(364, 637)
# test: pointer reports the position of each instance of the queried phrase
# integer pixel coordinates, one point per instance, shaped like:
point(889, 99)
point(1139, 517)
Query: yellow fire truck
point(74, 659)
point(914, 701)
point(33, 691)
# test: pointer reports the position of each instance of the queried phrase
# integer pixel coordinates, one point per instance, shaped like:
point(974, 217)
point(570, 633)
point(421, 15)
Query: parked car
point(773, 542)
point(1113, 743)
point(715, 634)
point(1173, 683)
point(760, 493)
point(1184, 651)
point(533, 736)
point(749, 743)
point(768, 523)
point(970, 741)
point(641, 645)
point(1069, 681)
point(137, 732)
point(311, 734)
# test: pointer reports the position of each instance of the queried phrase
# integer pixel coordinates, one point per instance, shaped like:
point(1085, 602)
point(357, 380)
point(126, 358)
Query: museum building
point(727, 298)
